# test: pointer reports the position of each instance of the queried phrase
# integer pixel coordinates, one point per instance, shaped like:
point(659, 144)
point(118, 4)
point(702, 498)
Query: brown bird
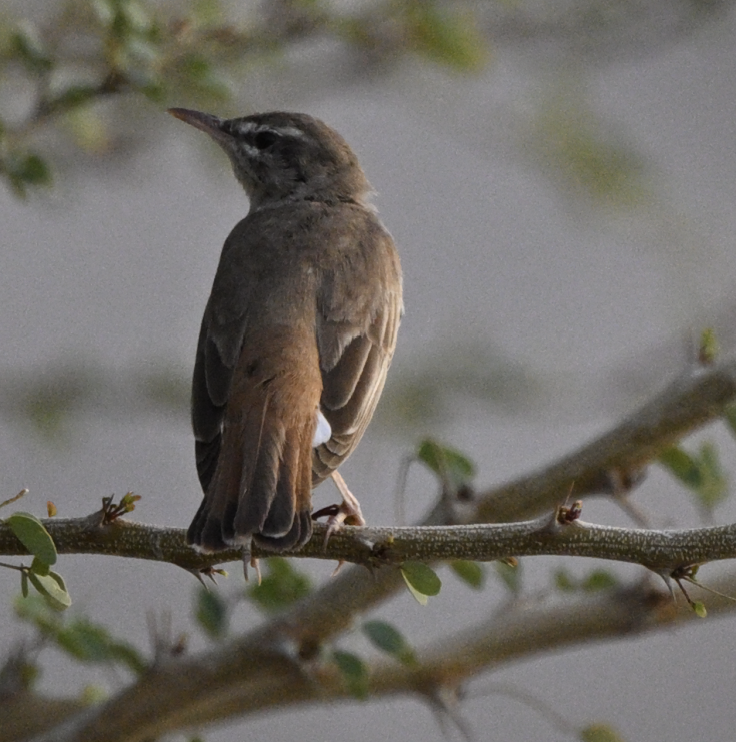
point(297, 335)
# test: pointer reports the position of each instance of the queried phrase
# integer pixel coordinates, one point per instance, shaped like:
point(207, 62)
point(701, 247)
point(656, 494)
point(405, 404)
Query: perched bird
point(297, 335)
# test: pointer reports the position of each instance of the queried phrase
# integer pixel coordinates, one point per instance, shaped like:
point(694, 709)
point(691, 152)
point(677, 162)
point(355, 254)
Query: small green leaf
point(421, 580)
point(702, 473)
point(39, 567)
point(390, 640)
point(600, 733)
point(52, 588)
point(212, 614)
point(451, 466)
point(599, 579)
point(31, 533)
point(471, 573)
point(713, 489)
point(683, 466)
point(699, 609)
point(354, 673)
point(709, 347)
point(281, 587)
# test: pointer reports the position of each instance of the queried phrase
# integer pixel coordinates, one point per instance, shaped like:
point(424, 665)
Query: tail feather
point(260, 486)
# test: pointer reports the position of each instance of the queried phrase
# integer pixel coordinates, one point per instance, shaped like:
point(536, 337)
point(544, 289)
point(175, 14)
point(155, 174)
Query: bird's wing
point(358, 318)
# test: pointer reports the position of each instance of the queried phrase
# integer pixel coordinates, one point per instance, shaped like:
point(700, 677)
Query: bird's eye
point(264, 139)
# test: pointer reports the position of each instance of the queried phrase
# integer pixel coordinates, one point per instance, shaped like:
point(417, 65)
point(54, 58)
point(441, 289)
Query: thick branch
point(660, 550)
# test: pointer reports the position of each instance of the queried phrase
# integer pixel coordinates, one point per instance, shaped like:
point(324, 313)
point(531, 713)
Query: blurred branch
point(260, 671)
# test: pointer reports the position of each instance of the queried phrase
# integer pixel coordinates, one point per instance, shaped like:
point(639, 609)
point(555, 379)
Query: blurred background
point(559, 178)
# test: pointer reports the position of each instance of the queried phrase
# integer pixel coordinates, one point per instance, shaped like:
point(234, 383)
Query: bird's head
point(282, 156)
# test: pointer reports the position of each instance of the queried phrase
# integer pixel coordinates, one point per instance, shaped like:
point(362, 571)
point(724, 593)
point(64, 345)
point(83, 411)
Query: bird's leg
point(347, 512)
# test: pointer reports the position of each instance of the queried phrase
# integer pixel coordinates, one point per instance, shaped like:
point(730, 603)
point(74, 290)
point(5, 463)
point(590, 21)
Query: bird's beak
point(205, 122)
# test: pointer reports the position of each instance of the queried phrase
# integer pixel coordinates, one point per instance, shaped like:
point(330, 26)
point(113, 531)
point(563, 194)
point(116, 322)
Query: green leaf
point(23, 170)
point(79, 637)
point(699, 609)
point(599, 579)
point(39, 567)
point(281, 587)
point(31, 533)
point(390, 640)
point(701, 473)
point(600, 733)
point(451, 466)
point(52, 588)
point(470, 573)
point(713, 489)
point(353, 671)
point(92, 643)
point(709, 347)
point(212, 614)
point(683, 466)
point(421, 580)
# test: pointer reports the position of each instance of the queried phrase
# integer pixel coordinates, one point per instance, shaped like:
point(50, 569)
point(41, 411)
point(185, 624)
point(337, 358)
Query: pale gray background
point(115, 266)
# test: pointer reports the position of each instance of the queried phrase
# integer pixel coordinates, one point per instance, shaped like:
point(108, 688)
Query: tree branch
point(276, 665)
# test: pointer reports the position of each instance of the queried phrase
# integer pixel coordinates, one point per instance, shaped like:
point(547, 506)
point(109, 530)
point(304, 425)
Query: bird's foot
point(348, 511)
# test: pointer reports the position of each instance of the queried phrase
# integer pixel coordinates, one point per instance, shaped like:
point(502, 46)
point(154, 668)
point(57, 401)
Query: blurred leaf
point(709, 347)
point(353, 671)
point(281, 587)
point(92, 643)
point(212, 613)
point(33, 535)
point(598, 579)
point(470, 573)
point(73, 97)
point(449, 36)
point(600, 733)
point(730, 418)
point(564, 581)
point(682, 465)
point(571, 137)
point(390, 640)
point(714, 485)
point(78, 637)
point(509, 575)
point(24, 170)
point(421, 580)
point(702, 474)
point(452, 467)
point(26, 45)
